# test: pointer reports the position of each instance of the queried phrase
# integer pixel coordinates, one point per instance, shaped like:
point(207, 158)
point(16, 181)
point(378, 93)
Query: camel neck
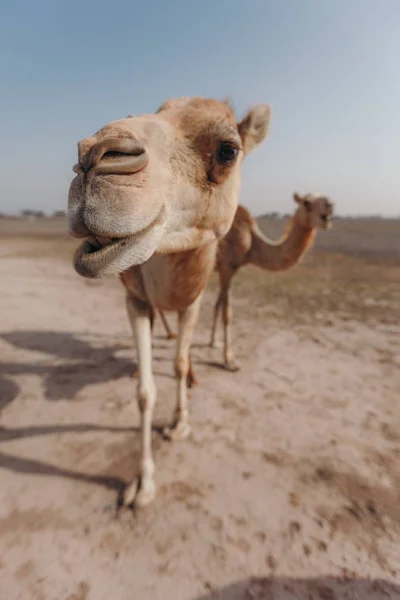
point(286, 252)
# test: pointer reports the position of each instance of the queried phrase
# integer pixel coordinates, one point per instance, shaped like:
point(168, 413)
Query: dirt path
point(292, 473)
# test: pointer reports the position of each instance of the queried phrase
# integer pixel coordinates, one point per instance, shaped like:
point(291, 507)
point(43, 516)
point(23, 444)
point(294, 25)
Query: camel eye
point(226, 153)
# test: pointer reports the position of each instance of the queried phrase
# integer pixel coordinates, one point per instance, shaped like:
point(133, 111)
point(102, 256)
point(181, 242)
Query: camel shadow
point(9, 390)
point(88, 364)
point(15, 433)
point(29, 466)
point(215, 365)
point(319, 588)
point(58, 343)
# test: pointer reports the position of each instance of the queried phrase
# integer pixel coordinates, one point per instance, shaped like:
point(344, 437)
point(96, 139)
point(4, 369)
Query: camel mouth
point(92, 250)
point(326, 221)
point(99, 256)
point(96, 243)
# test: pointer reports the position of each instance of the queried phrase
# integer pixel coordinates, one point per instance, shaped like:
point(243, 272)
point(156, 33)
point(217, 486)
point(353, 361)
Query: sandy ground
point(289, 487)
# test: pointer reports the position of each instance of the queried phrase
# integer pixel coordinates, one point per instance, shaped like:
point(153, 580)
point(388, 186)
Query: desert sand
point(289, 486)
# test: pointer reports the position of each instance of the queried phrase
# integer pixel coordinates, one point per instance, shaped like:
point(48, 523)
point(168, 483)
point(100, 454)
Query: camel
point(245, 244)
point(152, 196)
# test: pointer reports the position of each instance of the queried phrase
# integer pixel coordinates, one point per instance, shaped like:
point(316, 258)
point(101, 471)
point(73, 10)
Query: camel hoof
point(171, 336)
point(140, 494)
point(179, 431)
point(215, 344)
point(232, 366)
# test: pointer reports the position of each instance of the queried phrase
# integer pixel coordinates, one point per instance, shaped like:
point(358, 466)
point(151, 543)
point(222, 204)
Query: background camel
point(152, 197)
point(245, 244)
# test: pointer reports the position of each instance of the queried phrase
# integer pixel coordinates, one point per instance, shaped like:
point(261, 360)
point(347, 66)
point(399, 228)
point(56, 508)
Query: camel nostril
point(122, 148)
point(116, 156)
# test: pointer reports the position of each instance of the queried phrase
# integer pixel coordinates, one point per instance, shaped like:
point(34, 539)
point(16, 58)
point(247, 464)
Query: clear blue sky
point(331, 71)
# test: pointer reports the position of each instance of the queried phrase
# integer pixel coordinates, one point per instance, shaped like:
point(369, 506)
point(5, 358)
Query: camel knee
point(147, 398)
point(182, 365)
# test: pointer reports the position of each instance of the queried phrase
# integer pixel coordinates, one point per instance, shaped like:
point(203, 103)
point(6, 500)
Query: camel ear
point(254, 127)
point(297, 198)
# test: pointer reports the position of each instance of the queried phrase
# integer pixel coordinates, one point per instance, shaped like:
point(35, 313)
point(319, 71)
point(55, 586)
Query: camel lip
point(97, 245)
point(98, 242)
point(105, 255)
point(91, 261)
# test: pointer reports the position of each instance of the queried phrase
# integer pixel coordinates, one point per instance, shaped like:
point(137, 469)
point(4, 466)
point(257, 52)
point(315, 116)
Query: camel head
point(314, 211)
point(159, 183)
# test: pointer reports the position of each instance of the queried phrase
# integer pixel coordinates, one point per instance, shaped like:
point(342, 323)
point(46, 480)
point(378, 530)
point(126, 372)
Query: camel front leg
point(187, 320)
point(225, 277)
point(142, 490)
point(152, 315)
point(229, 358)
point(213, 341)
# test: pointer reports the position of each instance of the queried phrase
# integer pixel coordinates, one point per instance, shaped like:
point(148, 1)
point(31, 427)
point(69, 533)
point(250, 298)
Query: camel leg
point(170, 334)
point(152, 313)
point(229, 358)
point(225, 277)
point(142, 490)
point(191, 378)
point(180, 428)
point(213, 342)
